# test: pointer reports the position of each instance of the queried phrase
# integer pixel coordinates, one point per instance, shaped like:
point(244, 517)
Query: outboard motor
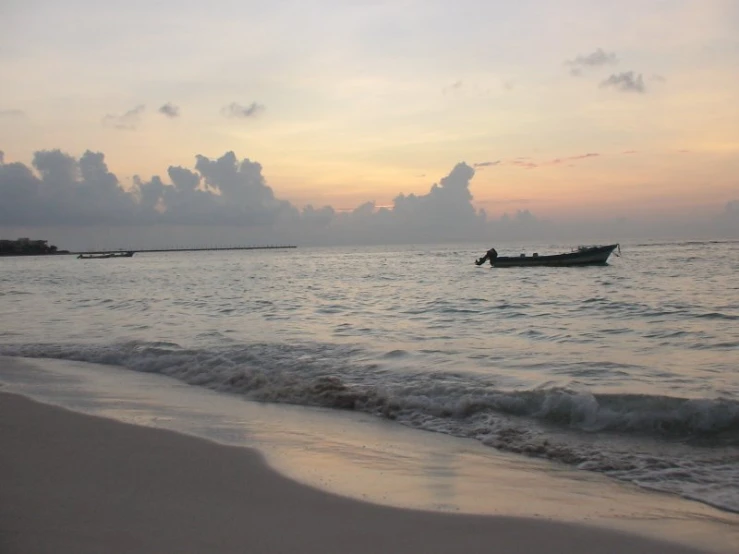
point(491, 255)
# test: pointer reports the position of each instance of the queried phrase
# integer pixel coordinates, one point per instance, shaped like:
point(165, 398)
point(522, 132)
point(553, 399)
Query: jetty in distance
point(184, 249)
point(28, 247)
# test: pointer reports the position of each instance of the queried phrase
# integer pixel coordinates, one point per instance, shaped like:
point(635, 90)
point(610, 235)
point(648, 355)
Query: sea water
point(629, 370)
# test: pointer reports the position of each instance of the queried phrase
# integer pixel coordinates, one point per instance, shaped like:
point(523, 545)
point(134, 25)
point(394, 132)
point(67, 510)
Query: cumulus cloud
point(598, 58)
point(236, 110)
point(226, 200)
point(445, 213)
point(60, 190)
point(627, 81)
point(127, 121)
point(451, 196)
point(479, 165)
point(170, 110)
point(222, 191)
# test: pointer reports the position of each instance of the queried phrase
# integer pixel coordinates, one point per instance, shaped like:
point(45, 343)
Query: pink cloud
point(524, 163)
point(520, 162)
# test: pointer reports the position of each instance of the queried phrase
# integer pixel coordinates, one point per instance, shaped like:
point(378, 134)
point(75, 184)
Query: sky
point(323, 120)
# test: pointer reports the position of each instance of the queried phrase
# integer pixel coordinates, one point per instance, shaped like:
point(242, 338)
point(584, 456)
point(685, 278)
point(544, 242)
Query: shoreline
point(81, 483)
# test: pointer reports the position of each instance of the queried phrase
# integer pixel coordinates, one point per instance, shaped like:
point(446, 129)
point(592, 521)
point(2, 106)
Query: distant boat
point(584, 255)
point(104, 255)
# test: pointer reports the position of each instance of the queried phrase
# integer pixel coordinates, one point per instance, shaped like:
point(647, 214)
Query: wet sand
point(74, 483)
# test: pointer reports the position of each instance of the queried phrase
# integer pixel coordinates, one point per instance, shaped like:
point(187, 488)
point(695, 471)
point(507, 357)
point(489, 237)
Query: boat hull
point(105, 255)
point(595, 255)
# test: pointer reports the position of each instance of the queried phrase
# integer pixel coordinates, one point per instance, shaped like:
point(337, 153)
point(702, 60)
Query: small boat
point(584, 255)
point(105, 255)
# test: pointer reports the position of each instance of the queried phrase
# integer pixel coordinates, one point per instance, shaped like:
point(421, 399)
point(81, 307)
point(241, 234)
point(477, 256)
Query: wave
point(687, 243)
point(666, 443)
point(665, 311)
point(334, 376)
point(718, 315)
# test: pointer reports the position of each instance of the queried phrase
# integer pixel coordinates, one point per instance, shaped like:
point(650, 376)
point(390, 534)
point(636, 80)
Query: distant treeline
point(28, 247)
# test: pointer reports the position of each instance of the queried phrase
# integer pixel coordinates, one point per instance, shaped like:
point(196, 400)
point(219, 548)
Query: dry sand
point(73, 483)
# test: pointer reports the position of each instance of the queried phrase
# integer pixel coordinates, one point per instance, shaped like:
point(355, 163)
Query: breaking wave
point(335, 376)
point(679, 445)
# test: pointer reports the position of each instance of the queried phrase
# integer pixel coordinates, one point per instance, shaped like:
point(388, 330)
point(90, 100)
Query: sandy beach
point(75, 483)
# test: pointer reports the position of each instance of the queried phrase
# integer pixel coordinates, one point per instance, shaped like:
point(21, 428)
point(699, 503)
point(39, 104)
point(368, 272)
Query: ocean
point(629, 370)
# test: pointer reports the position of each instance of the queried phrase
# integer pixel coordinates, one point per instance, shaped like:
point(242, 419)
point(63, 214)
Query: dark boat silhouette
point(584, 255)
point(105, 255)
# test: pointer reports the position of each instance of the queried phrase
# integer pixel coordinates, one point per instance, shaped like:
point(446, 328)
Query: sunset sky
point(570, 109)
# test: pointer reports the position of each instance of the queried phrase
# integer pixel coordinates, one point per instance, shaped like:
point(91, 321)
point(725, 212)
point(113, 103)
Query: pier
point(198, 249)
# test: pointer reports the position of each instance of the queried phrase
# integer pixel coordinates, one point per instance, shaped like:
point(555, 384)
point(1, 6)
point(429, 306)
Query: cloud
point(583, 156)
point(625, 82)
point(226, 192)
point(128, 121)
point(60, 190)
point(222, 191)
point(485, 164)
point(445, 213)
point(226, 200)
point(527, 163)
point(236, 110)
point(170, 110)
point(598, 58)
point(12, 112)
